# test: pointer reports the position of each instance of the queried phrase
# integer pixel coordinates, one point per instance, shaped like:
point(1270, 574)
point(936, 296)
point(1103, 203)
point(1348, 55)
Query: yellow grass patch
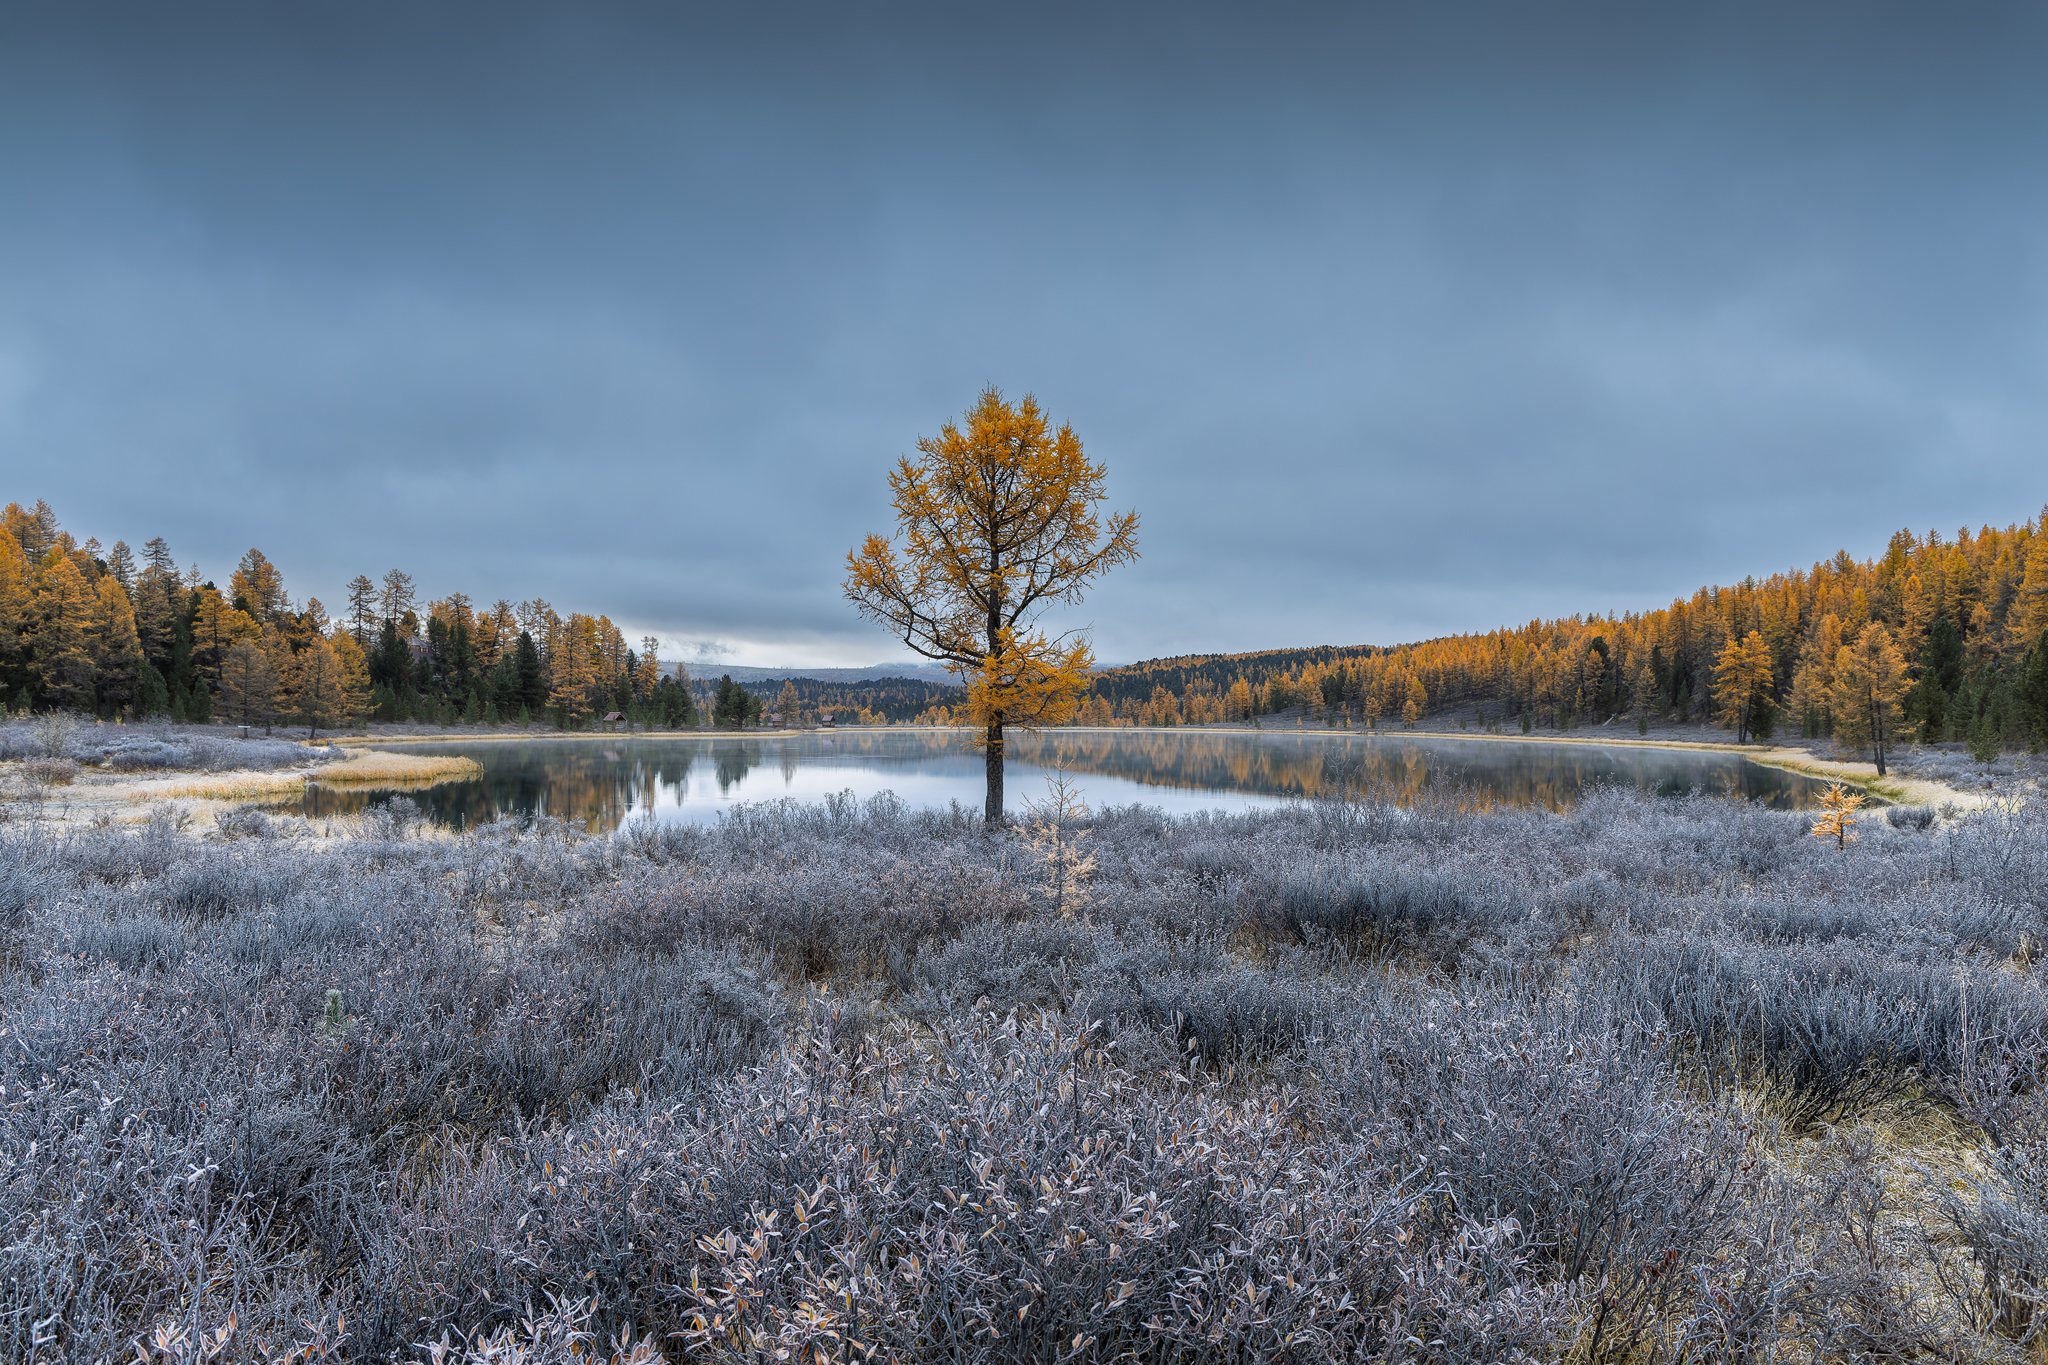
point(1892, 787)
point(375, 767)
point(228, 787)
point(370, 768)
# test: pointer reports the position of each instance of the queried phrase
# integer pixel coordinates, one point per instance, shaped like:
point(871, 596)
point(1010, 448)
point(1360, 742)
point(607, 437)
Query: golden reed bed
point(369, 768)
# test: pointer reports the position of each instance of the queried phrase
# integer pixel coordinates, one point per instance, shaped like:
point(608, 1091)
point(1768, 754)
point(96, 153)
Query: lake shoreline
point(692, 775)
point(1895, 787)
point(377, 763)
point(129, 797)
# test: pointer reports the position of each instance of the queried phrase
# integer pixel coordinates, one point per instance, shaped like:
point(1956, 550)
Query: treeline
point(525, 663)
point(105, 631)
point(880, 701)
point(1937, 639)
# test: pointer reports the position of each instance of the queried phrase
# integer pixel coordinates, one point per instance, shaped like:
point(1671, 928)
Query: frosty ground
point(1413, 1082)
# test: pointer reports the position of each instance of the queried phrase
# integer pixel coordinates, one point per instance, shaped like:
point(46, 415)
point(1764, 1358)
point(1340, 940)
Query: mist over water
point(605, 781)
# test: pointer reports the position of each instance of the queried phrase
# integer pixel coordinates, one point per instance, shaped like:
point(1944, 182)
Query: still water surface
point(606, 780)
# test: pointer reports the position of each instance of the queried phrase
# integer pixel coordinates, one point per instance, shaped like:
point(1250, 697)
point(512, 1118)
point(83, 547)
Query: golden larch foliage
point(352, 679)
point(62, 646)
point(997, 522)
point(1741, 672)
point(1869, 678)
point(1838, 807)
point(313, 686)
point(115, 647)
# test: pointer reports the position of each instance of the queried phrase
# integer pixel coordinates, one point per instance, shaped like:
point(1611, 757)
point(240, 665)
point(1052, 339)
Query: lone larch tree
point(997, 521)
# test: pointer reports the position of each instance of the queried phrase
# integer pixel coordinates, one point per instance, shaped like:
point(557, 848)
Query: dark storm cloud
point(1390, 320)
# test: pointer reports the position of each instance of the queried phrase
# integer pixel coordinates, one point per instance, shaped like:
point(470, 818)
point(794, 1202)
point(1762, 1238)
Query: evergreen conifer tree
point(121, 564)
point(152, 694)
point(734, 705)
point(532, 689)
point(391, 665)
point(362, 609)
point(1941, 677)
point(2032, 692)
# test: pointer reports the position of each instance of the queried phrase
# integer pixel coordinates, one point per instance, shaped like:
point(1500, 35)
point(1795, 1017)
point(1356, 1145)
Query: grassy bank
point(378, 768)
point(366, 768)
point(1304, 1085)
point(58, 770)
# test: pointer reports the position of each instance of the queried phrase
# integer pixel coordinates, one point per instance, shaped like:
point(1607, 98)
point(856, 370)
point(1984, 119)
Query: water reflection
point(604, 783)
point(1507, 771)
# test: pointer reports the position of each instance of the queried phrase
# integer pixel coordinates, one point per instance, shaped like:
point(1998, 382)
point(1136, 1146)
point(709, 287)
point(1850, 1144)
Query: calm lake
point(606, 780)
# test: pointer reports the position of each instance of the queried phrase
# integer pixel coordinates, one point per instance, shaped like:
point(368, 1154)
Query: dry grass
point(375, 767)
point(370, 768)
point(228, 787)
point(1894, 787)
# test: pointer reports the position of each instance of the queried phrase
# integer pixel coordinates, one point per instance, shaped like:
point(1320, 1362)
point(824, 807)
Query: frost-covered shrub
point(51, 772)
point(22, 878)
point(1909, 817)
point(841, 913)
point(994, 1197)
point(1834, 1029)
point(1053, 1202)
point(152, 746)
point(1823, 1261)
point(1437, 913)
point(1562, 1114)
point(205, 888)
point(390, 821)
point(113, 855)
point(138, 943)
point(245, 823)
point(993, 964)
point(1353, 1078)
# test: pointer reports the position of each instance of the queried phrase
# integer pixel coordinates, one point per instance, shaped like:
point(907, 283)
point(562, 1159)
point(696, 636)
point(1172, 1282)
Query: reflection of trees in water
point(735, 761)
point(602, 787)
point(1513, 774)
point(572, 781)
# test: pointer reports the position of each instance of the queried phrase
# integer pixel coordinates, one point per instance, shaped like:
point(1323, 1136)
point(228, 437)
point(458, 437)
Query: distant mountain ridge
point(747, 673)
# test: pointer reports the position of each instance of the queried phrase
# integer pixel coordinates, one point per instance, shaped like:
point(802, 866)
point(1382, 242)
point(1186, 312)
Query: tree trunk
point(992, 809)
point(1877, 736)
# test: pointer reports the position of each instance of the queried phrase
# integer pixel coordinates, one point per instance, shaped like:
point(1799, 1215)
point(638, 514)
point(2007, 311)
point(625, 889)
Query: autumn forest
point(1950, 635)
point(1938, 638)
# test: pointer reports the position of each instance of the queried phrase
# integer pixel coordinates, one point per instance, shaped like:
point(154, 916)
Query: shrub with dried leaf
point(1055, 837)
point(1838, 807)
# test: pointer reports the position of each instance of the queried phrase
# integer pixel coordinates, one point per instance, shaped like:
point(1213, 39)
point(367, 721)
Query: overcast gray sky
point(1391, 320)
